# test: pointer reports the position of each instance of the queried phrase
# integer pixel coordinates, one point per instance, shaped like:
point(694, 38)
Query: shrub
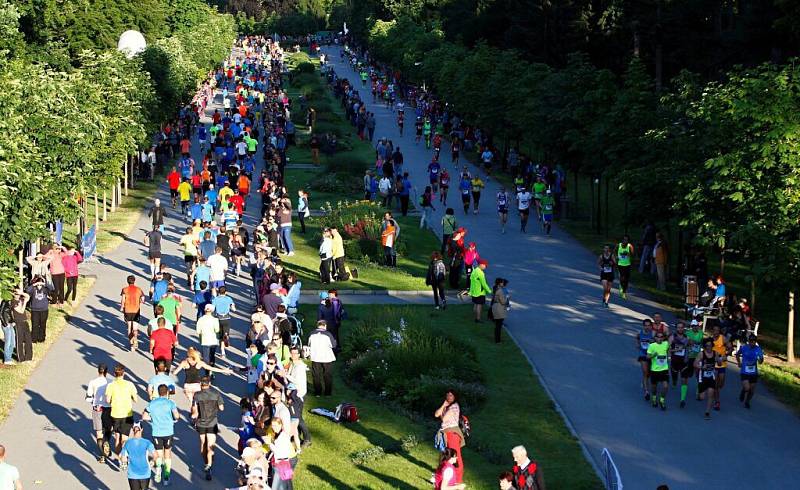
point(336, 184)
point(407, 364)
point(368, 455)
point(347, 163)
point(305, 67)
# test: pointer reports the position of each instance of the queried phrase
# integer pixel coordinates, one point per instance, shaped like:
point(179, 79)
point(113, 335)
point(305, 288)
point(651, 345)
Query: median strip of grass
point(516, 410)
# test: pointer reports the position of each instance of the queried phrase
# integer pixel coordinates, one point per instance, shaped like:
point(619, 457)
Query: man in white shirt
point(219, 267)
point(208, 334)
point(321, 343)
point(101, 411)
point(524, 200)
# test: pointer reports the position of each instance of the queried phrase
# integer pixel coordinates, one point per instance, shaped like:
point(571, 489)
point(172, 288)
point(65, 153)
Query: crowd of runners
point(695, 349)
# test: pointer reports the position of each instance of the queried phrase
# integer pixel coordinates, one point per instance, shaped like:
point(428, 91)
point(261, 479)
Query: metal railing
point(610, 472)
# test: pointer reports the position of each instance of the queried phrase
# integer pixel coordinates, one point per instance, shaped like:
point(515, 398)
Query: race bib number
point(749, 369)
point(680, 353)
point(708, 373)
point(607, 269)
point(661, 361)
point(644, 345)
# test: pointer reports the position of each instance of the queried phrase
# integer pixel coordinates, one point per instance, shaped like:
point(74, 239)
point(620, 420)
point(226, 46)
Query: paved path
point(586, 356)
point(48, 433)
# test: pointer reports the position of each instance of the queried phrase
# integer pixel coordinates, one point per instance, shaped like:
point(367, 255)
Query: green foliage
point(73, 115)
point(402, 363)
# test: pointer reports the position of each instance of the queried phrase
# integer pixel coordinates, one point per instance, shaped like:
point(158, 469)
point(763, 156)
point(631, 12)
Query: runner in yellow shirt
point(185, 194)
point(121, 394)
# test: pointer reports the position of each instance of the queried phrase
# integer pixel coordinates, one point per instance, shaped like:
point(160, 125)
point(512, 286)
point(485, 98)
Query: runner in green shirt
point(695, 336)
point(624, 254)
point(172, 307)
point(658, 353)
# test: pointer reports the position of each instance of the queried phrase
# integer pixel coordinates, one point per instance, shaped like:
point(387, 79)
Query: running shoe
point(647, 396)
point(208, 473)
point(708, 416)
point(683, 403)
point(741, 396)
point(106, 449)
point(716, 406)
point(157, 474)
point(747, 405)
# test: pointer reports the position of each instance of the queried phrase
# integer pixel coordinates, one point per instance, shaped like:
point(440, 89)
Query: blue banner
point(59, 231)
point(89, 243)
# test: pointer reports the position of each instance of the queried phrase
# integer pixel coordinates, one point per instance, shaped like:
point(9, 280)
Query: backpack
point(464, 425)
point(346, 412)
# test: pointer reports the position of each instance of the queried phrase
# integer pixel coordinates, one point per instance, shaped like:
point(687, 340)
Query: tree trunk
point(125, 174)
point(96, 212)
point(21, 265)
point(722, 262)
point(752, 295)
point(790, 330)
point(608, 218)
point(591, 203)
point(599, 209)
point(114, 198)
point(679, 268)
point(105, 207)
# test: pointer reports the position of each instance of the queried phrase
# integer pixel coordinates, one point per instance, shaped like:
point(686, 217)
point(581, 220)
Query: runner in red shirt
point(162, 343)
point(131, 303)
point(185, 146)
point(197, 184)
point(174, 180)
point(238, 202)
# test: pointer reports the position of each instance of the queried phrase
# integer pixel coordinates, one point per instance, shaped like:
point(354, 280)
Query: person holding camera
point(38, 292)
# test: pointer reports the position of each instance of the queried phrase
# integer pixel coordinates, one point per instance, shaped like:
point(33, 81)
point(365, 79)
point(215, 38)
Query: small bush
point(336, 184)
point(368, 455)
point(409, 442)
point(305, 67)
point(409, 365)
point(347, 164)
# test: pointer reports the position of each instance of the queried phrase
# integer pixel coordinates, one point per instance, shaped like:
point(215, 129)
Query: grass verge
point(514, 398)
point(14, 378)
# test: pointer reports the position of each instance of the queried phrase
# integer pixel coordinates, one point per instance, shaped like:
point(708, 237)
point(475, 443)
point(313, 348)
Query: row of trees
point(721, 158)
point(68, 130)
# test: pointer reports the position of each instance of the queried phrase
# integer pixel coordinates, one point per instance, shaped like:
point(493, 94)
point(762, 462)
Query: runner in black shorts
point(205, 408)
point(606, 263)
point(707, 374)
point(680, 364)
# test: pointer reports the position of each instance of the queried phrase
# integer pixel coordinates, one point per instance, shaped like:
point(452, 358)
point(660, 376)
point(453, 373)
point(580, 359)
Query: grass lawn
point(14, 378)
point(517, 411)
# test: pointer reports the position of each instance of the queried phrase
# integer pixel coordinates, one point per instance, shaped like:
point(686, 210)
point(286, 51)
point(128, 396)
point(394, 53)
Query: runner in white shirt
point(524, 199)
point(101, 411)
point(502, 207)
point(219, 267)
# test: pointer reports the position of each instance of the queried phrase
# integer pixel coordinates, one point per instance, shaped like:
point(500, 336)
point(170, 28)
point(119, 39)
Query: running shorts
point(208, 430)
point(752, 378)
point(132, 317)
point(659, 376)
point(189, 259)
point(606, 276)
point(122, 425)
point(502, 209)
point(224, 327)
point(688, 370)
point(101, 419)
point(465, 198)
point(217, 284)
point(173, 193)
point(162, 442)
point(705, 384)
point(479, 300)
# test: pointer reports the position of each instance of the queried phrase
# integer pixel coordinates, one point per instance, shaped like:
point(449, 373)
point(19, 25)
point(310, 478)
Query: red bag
point(346, 412)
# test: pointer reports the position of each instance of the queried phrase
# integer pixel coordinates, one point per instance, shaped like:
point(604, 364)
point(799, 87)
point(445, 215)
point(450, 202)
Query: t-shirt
point(9, 476)
point(659, 360)
point(203, 273)
point(207, 402)
point(218, 265)
point(750, 358)
point(174, 180)
point(189, 247)
point(121, 393)
point(137, 449)
point(185, 191)
point(170, 305)
point(155, 242)
point(159, 290)
point(524, 200)
point(162, 421)
point(133, 297)
point(164, 339)
point(222, 305)
point(160, 379)
point(207, 248)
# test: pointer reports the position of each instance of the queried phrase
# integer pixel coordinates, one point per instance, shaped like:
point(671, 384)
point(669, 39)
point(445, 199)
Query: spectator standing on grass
point(450, 414)
point(446, 477)
point(9, 475)
point(527, 474)
point(661, 260)
point(478, 288)
point(499, 306)
point(405, 194)
point(326, 257)
point(22, 329)
point(40, 306)
point(388, 240)
point(71, 258)
point(321, 345)
point(435, 278)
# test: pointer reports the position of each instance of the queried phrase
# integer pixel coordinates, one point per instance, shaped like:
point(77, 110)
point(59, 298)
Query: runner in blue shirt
point(196, 210)
point(162, 413)
point(136, 455)
point(158, 288)
point(223, 307)
point(212, 195)
point(206, 210)
point(749, 357)
point(433, 173)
